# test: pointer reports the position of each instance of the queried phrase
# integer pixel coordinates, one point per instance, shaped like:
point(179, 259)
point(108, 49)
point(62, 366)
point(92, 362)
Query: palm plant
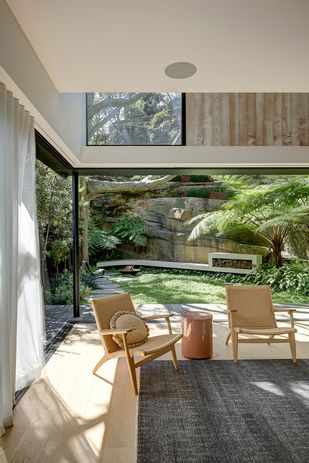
point(274, 210)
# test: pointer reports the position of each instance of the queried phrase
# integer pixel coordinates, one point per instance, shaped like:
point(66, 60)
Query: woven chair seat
point(266, 331)
point(155, 344)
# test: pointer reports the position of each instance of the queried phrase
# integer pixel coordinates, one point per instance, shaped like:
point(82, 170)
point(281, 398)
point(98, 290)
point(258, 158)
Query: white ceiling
point(124, 45)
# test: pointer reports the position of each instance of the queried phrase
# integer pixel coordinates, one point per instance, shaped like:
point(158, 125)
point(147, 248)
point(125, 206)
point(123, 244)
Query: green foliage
point(203, 192)
point(100, 240)
point(134, 118)
point(54, 209)
point(98, 218)
point(276, 209)
point(194, 178)
point(292, 277)
point(200, 178)
point(88, 278)
point(132, 230)
point(199, 192)
point(62, 293)
point(59, 250)
point(162, 286)
point(247, 235)
point(54, 213)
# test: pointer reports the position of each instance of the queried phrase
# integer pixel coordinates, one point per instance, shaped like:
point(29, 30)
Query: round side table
point(197, 335)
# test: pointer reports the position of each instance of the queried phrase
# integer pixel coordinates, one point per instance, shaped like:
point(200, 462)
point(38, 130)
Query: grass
point(153, 286)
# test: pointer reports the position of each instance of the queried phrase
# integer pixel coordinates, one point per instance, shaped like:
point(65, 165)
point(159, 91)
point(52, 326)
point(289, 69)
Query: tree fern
point(100, 240)
point(276, 210)
point(132, 230)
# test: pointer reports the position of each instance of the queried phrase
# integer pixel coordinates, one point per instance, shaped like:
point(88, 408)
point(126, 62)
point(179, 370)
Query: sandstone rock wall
point(167, 227)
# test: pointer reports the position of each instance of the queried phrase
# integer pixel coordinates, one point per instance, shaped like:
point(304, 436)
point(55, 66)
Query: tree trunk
point(278, 258)
point(85, 219)
point(84, 214)
point(44, 269)
point(277, 250)
point(44, 273)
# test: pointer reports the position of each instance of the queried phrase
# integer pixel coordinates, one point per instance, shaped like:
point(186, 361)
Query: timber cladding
point(247, 119)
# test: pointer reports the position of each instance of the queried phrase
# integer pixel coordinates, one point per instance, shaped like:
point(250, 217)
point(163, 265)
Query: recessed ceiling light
point(180, 70)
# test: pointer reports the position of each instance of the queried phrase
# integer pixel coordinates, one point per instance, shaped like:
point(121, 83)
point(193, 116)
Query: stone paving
point(106, 287)
point(57, 316)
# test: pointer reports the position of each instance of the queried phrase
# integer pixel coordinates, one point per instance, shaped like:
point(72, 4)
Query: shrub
point(62, 293)
point(200, 178)
point(292, 276)
point(193, 178)
point(88, 278)
point(203, 192)
point(199, 192)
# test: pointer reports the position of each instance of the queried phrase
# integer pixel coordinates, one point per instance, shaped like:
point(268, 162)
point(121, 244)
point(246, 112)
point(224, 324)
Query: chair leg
point(292, 346)
point(227, 338)
point(132, 372)
point(100, 363)
point(270, 338)
point(235, 346)
point(174, 357)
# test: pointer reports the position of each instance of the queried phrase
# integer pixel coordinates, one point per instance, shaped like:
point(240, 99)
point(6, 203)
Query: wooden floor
point(69, 415)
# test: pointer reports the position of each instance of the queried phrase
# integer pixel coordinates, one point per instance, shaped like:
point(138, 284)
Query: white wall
point(196, 156)
point(59, 117)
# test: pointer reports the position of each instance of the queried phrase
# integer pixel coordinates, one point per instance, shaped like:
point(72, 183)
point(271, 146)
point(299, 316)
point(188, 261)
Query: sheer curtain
point(21, 320)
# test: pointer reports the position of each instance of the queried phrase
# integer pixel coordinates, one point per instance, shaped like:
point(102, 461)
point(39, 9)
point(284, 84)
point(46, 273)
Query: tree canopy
point(134, 118)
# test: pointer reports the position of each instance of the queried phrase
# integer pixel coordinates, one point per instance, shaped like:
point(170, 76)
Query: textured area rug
point(215, 411)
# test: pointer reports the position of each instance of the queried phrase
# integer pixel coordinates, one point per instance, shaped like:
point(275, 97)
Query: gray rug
point(215, 411)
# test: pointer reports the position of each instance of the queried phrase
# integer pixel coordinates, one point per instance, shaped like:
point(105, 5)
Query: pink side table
point(197, 335)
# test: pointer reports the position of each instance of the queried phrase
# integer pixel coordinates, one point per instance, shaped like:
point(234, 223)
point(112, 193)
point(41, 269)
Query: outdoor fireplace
point(234, 263)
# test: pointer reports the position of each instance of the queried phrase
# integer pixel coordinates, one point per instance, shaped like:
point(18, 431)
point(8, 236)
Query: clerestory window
point(134, 118)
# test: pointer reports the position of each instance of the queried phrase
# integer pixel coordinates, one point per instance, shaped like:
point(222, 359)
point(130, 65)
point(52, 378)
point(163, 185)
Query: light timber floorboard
point(69, 415)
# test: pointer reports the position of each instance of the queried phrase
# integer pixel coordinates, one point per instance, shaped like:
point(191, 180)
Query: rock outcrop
point(167, 226)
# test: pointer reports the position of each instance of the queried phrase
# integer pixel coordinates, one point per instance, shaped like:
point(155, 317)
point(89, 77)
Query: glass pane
point(134, 118)
point(54, 213)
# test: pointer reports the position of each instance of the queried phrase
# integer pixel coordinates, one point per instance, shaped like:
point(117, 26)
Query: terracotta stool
point(197, 335)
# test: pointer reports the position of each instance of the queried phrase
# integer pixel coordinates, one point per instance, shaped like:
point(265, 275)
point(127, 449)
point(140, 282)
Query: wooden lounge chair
point(250, 312)
point(155, 346)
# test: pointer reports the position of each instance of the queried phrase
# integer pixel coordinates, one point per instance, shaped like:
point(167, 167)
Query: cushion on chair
point(129, 320)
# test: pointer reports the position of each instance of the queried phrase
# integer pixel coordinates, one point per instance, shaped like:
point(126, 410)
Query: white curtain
point(21, 320)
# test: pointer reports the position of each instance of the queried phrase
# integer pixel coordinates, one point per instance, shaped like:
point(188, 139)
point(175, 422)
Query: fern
point(276, 210)
point(132, 230)
point(100, 240)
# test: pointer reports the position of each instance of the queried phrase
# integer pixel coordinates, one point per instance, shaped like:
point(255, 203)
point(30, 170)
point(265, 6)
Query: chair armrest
point(157, 316)
point(166, 316)
point(289, 311)
point(231, 310)
point(110, 331)
point(284, 310)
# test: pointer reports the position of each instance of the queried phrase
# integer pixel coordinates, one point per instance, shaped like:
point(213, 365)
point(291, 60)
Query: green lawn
point(153, 286)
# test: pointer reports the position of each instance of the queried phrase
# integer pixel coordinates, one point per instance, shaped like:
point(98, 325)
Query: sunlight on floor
point(70, 415)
